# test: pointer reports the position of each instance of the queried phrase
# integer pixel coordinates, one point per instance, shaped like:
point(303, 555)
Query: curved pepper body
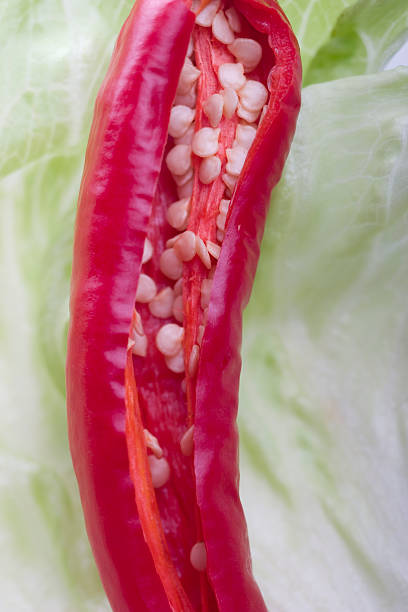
point(216, 437)
point(123, 187)
point(122, 167)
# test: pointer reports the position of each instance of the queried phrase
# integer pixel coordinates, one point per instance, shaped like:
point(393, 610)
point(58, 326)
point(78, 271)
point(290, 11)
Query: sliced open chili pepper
point(192, 127)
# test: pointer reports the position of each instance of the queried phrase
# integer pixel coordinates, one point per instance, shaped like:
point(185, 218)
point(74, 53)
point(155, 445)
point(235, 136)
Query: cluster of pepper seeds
point(192, 160)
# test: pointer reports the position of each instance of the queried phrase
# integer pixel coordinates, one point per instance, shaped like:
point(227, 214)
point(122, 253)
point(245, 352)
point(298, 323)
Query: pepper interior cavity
point(222, 98)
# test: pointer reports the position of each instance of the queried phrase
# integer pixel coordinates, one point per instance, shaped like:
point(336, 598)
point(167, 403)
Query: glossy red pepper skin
point(123, 164)
point(216, 436)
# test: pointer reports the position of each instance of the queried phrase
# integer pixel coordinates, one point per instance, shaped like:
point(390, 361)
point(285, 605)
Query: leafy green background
point(324, 440)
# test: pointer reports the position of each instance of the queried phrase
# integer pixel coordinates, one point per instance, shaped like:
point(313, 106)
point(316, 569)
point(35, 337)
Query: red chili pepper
point(165, 521)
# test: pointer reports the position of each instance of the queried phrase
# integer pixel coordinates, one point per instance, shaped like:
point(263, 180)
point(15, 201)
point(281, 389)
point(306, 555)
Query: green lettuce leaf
point(324, 420)
point(364, 39)
point(54, 57)
point(312, 22)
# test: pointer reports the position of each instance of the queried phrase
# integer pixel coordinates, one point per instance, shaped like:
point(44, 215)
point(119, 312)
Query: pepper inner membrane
point(222, 98)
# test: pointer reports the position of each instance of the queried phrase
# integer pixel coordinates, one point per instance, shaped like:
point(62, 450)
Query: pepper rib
point(145, 496)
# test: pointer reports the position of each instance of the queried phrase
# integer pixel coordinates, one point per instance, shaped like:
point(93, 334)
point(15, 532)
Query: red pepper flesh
point(141, 537)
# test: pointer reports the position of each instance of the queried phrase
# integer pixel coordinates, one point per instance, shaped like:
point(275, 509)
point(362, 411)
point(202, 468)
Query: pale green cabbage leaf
point(324, 419)
point(312, 22)
point(54, 57)
point(363, 40)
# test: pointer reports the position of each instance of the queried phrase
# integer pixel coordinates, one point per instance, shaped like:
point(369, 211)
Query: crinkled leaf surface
point(323, 405)
point(363, 40)
point(312, 22)
point(324, 416)
point(399, 59)
point(54, 55)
